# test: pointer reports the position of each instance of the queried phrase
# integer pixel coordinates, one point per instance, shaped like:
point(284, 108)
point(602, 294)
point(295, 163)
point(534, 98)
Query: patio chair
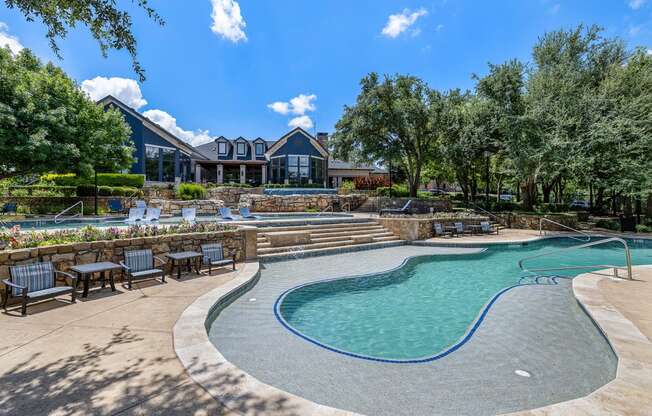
point(404, 210)
point(152, 215)
point(189, 214)
point(9, 208)
point(245, 213)
point(36, 281)
point(213, 256)
point(488, 228)
point(114, 205)
point(439, 230)
point(135, 214)
point(141, 264)
point(226, 214)
point(459, 229)
point(141, 204)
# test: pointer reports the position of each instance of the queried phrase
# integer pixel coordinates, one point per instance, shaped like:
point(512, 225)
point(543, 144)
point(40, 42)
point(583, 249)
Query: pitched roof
point(344, 165)
point(163, 133)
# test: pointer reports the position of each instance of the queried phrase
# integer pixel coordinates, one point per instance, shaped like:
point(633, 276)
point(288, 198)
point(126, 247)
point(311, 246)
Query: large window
point(167, 155)
point(260, 149)
point(317, 170)
point(151, 163)
point(293, 169)
point(277, 174)
point(304, 169)
point(185, 168)
point(241, 148)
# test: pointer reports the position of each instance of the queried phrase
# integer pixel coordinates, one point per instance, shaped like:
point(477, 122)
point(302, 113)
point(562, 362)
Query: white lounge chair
point(189, 215)
point(135, 214)
point(152, 215)
point(141, 204)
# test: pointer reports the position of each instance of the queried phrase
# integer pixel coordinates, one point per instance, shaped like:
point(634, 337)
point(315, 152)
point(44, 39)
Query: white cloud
point(169, 123)
point(649, 51)
point(228, 21)
point(7, 40)
point(298, 105)
point(636, 4)
point(634, 31)
point(399, 23)
point(280, 107)
point(304, 122)
point(124, 89)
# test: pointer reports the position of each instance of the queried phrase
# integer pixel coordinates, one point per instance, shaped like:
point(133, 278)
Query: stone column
point(250, 242)
point(264, 172)
point(198, 173)
point(243, 173)
point(220, 173)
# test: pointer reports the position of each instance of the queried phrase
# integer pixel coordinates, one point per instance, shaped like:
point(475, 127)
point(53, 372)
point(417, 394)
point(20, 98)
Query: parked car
point(579, 204)
point(506, 197)
point(437, 191)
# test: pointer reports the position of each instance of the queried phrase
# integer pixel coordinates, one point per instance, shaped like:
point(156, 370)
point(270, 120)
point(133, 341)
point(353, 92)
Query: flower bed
point(14, 238)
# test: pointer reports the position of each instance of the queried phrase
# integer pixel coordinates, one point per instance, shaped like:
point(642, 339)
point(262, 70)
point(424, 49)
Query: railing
point(500, 220)
point(587, 236)
point(57, 217)
point(628, 258)
point(329, 207)
point(346, 207)
point(130, 199)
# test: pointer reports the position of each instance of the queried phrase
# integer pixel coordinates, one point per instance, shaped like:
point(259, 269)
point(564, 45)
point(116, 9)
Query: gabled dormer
point(241, 149)
point(223, 148)
point(259, 147)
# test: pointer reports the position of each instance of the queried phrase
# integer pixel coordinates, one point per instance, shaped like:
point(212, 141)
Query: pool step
point(379, 235)
point(325, 244)
point(269, 258)
point(317, 227)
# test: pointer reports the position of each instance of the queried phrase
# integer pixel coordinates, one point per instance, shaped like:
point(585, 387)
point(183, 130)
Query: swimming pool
point(431, 305)
point(50, 224)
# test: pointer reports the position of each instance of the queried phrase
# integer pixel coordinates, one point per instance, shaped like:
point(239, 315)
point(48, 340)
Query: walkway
point(107, 354)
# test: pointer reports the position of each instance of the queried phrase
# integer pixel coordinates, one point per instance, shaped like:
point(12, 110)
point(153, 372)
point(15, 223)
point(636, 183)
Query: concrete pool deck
point(113, 354)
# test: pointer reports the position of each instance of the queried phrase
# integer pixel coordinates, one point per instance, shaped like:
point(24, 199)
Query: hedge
point(103, 179)
point(42, 190)
point(191, 191)
point(89, 190)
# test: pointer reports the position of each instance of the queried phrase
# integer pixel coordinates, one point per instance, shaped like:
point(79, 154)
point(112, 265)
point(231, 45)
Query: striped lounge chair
point(36, 281)
point(141, 264)
point(213, 256)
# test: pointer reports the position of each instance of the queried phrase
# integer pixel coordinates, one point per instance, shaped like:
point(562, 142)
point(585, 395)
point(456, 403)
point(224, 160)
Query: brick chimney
point(323, 139)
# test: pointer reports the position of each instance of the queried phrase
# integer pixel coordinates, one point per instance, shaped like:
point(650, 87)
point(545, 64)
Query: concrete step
point(334, 233)
point(390, 237)
point(348, 236)
point(351, 225)
point(283, 249)
point(268, 258)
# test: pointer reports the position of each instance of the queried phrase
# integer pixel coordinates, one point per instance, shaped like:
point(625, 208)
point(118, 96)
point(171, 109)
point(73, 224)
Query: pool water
point(432, 304)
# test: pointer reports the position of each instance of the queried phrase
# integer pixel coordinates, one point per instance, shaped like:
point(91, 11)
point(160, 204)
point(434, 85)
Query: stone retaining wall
point(173, 207)
point(299, 203)
point(231, 196)
point(55, 204)
point(531, 222)
point(241, 242)
point(420, 228)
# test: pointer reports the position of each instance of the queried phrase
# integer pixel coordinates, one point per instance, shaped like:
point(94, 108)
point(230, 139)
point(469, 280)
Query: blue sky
point(233, 67)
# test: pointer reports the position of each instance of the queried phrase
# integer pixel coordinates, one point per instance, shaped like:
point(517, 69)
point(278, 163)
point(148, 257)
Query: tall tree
point(48, 124)
point(109, 25)
point(394, 120)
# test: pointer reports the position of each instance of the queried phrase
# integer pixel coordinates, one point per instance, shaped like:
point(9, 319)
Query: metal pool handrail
point(628, 258)
point(542, 231)
point(80, 214)
point(329, 207)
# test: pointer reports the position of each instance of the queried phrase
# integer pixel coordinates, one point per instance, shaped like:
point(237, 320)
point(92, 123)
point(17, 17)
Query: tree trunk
point(529, 189)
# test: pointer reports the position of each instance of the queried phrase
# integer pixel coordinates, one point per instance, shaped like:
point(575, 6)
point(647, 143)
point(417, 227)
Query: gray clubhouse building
point(297, 158)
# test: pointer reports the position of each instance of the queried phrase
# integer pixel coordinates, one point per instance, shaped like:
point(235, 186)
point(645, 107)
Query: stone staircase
point(287, 242)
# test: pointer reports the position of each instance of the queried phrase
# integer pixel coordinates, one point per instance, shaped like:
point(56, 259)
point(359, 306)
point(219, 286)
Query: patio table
point(475, 228)
point(85, 271)
point(184, 258)
point(451, 228)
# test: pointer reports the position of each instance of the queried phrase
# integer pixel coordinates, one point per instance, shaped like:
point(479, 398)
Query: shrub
point(42, 190)
point(642, 228)
point(348, 186)
point(370, 182)
point(607, 224)
point(189, 191)
point(103, 179)
point(86, 190)
point(397, 191)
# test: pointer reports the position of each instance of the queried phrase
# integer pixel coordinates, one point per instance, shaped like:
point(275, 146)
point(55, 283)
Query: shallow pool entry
point(431, 305)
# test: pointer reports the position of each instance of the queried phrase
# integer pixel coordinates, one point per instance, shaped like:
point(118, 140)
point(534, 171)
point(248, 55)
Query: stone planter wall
point(299, 203)
point(173, 207)
point(158, 192)
point(241, 242)
point(231, 196)
point(54, 204)
point(531, 222)
point(420, 228)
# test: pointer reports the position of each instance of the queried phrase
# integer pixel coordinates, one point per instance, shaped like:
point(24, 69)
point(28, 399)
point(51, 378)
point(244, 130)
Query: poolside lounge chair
point(439, 230)
point(189, 215)
point(245, 213)
point(487, 228)
point(459, 229)
point(226, 214)
point(141, 204)
point(214, 256)
point(8, 208)
point(135, 214)
point(36, 281)
point(141, 264)
point(404, 210)
point(152, 215)
point(114, 205)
